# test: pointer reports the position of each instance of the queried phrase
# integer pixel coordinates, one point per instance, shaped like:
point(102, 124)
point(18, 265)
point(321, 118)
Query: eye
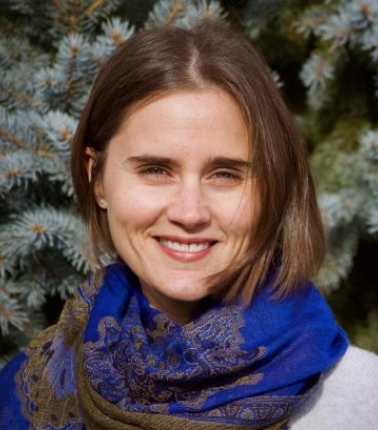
point(226, 177)
point(224, 174)
point(154, 170)
point(155, 174)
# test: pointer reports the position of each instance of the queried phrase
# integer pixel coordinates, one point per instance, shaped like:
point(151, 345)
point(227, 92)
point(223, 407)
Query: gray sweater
point(346, 397)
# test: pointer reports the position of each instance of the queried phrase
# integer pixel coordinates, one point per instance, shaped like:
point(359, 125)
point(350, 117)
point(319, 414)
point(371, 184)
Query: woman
point(189, 171)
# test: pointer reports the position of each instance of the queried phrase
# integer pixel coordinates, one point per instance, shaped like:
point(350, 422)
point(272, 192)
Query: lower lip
point(185, 257)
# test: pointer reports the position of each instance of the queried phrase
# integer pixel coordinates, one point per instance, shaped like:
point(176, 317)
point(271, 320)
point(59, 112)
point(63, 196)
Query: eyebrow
point(230, 162)
point(150, 159)
point(213, 162)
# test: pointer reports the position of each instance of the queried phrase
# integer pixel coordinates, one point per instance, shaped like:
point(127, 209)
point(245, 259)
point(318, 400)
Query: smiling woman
point(190, 173)
point(213, 57)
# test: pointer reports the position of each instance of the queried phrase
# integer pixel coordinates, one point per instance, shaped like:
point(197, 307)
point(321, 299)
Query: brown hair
point(289, 235)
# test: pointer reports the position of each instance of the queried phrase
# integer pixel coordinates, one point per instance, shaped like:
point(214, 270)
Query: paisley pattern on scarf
point(113, 360)
point(154, 368)
point(46, 381)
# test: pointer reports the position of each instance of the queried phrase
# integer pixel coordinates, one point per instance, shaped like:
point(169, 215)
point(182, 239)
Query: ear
point(90, 155)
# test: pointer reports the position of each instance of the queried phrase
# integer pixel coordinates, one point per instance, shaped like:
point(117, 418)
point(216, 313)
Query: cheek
point(133, 209)
point(242, 214)
point(245, 223)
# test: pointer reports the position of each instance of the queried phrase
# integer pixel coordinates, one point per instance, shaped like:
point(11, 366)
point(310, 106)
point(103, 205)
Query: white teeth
point(185, 247)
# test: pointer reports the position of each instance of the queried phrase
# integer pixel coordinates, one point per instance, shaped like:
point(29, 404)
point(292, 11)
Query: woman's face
point(180, 195)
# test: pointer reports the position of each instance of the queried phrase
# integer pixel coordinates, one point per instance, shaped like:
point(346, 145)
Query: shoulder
point(52, 350)
point(346, 396)
point(10, 406)
point(360, 363)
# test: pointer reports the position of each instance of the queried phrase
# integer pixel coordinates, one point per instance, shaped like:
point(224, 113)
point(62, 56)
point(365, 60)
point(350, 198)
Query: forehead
point(206, 93)
point(182, 120)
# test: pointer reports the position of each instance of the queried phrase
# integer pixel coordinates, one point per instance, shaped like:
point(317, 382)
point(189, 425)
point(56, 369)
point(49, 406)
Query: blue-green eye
point(154, 170)
point(225, 175)
point(155, 174)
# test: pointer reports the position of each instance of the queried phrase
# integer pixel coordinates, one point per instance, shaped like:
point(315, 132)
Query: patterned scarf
point(113, 362)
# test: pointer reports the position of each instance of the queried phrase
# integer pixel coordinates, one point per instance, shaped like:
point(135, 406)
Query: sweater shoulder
point(346, 396)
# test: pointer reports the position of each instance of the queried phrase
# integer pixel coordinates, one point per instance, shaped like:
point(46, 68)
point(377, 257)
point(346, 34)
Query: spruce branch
point(18, 169)
point(12, 139)
point(341, 250)
point(311, 19)
point(11, 313)
point(185, 13)
point(96, 4)
point(72, 14)
point(36, 322)
point(116, 31)
point(10, 95)
point(165, 12)
point(61, 86)
point(317, 70)
point(37, 229)
point(318, 73)
point(201, 10)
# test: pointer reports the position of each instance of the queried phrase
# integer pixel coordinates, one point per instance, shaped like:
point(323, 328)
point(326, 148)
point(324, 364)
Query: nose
point(189, 208)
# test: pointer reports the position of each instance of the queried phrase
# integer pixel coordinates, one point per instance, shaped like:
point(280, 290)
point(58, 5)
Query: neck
point(177, 310)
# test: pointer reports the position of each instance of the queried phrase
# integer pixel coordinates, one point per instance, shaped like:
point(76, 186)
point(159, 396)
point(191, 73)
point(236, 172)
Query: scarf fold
point(114, 362)
point(99, 414)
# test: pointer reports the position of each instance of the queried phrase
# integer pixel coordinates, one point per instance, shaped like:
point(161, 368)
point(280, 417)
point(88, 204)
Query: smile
point(185, 247)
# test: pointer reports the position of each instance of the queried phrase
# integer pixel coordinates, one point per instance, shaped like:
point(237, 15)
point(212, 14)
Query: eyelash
point(154, 170)
point(155, 174)
point(223, 176)
point(226, 174)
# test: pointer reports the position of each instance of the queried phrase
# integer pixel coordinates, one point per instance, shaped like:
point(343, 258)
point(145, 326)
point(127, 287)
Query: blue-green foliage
point(44, 248)
point(184, 13)
point(349, 184)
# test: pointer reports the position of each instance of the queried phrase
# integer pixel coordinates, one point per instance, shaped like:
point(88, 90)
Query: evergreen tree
point(325, 57)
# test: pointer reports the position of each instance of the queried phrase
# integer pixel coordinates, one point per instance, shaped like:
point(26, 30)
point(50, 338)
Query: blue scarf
point(113, 360)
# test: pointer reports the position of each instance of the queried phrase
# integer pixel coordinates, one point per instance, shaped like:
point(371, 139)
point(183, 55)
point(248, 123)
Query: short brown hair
point(289, 236)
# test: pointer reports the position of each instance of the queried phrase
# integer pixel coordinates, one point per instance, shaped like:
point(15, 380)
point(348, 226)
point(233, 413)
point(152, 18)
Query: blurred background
point(324, 58)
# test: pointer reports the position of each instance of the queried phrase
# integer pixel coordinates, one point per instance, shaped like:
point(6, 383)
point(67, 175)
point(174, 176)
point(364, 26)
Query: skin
point(180, 195)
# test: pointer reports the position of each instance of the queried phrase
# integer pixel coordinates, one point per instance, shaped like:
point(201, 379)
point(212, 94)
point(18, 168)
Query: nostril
point(189, 211)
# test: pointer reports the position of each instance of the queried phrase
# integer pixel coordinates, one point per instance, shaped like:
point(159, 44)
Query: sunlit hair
point(288, 239)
